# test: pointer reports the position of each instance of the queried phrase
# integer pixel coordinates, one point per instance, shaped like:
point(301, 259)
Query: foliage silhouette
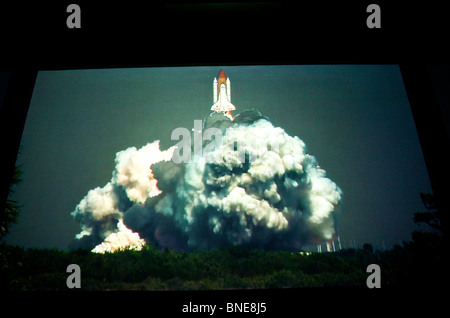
point(12, 207)
point(417, 263)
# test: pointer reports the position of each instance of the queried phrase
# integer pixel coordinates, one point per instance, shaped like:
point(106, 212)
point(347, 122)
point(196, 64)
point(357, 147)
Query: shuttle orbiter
point(222, 95)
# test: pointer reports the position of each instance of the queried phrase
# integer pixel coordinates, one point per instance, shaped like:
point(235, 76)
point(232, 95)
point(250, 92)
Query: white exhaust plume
point(133, 172)
point(124, 239)
point(277, 197)
point(101, 210)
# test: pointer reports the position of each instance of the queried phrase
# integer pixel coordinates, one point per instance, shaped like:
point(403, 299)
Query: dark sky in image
point(355, 119)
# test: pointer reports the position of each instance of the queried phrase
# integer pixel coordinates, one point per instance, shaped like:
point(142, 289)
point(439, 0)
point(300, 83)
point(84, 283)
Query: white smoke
point(100, 212)
point(133, 171)
point(122, 240)
point(265, 192)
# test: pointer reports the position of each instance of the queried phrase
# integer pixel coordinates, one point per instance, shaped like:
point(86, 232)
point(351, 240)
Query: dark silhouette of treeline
point(416, 263)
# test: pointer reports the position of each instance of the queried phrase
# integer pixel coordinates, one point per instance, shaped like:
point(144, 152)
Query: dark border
point(260, 33)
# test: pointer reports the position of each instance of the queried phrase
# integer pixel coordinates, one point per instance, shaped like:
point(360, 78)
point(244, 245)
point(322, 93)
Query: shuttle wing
point(223, 106)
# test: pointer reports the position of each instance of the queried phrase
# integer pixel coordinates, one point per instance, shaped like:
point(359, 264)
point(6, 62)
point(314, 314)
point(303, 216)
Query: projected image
point(233, 181)
point(238, 160)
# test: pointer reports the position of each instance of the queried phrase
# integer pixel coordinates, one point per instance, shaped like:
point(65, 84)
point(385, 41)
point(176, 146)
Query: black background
point(145, 33)
point(34, 36)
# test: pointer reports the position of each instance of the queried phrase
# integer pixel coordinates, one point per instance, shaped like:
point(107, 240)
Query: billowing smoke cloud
point(100, 211)
point(121, 240)
point(257, 187)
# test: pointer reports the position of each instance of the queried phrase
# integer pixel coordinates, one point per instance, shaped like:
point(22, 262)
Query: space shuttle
point(222, 95)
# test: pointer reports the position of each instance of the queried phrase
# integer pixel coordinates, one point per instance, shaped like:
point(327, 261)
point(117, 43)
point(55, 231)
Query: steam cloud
point(277, 197)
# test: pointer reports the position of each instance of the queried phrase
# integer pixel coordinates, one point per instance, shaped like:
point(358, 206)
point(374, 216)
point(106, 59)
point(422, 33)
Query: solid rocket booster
point(222, 95)
point(215, 90)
